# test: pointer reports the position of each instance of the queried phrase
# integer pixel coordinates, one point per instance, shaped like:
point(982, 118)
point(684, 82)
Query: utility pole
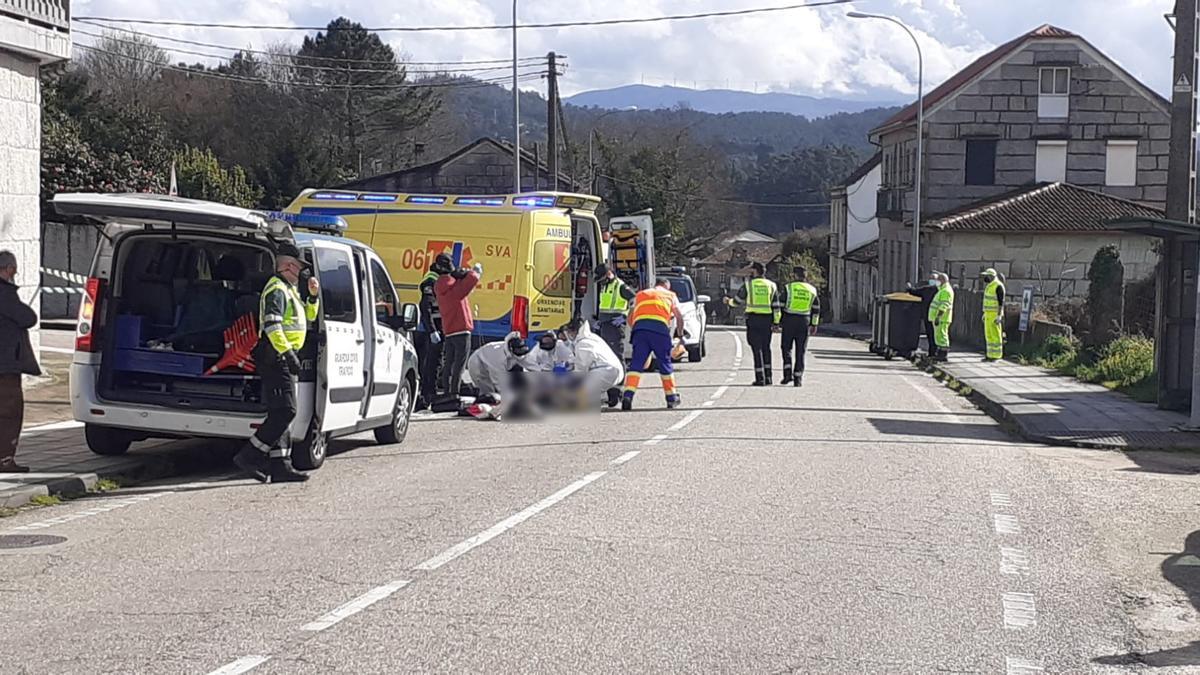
point(552, 119)
point(516, 108)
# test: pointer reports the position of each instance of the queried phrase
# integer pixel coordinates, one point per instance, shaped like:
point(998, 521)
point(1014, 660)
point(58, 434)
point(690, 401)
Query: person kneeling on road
point(596, 363)
point(491, 367)
point(283, 327)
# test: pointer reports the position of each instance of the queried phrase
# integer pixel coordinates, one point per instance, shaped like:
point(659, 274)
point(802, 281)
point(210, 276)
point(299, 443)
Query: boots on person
point(252, 462)
point(673, 401)
point(799, 379)
point(282, 471)
point(614, 397)
point(9, 465)
point(627, 401)
point(787, 376)
point(767, 376)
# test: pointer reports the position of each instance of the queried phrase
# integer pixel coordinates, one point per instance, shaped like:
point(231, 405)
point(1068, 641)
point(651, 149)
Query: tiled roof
point(964, 76)
point(868, 252)
point(1042, 207)
point(863, 170)
point(756, 251)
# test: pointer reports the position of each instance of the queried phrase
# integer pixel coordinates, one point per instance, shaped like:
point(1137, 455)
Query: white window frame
point(1054, 101)
point(1051, 162)
point(1121, 163)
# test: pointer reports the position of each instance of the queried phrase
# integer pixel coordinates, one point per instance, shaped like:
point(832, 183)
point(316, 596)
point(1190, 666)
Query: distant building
point(854, 244)
point(723, 272)
point(1044, 108)
point(744, 236)
point(33, 33)
point(482, 167)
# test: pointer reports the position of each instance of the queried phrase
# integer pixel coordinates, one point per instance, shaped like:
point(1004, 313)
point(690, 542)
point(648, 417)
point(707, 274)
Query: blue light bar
point(480, 201)
point(534, 201)
point(312, 221)
point(416, 199)
point(339, 196)
point(377, 198)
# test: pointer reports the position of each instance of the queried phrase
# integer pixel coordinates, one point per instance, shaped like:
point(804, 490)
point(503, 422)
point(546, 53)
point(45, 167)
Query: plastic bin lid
point(903, 297)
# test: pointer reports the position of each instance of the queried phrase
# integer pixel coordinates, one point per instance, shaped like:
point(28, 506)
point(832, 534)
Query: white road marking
point(708, 404)
point(626, 457)
point(242, 665)
point(927, 395)
point(355, 606)
point(104, 507)
point(53, 426)
point(737, 343)
point(657, 439)
point(507, 524)
point(720, 391)
point(1001, 500)
point(1019, 611)
point(686, 421)
point(1014, 666)
point(1006, 524)
point(56, 350)
point(1014, 561)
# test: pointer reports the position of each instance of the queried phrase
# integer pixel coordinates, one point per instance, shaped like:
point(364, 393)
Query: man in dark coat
point(16, 359)
point(926, 293)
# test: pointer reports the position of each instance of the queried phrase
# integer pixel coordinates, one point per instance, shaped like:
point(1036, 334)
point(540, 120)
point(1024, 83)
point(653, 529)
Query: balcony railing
point(890, 202)
point(50, 13)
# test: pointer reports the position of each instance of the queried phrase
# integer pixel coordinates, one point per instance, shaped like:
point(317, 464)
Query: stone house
point(723, 272)
point(33, 33)
point(1046, 107)
point(482, 167)
point(854, 244)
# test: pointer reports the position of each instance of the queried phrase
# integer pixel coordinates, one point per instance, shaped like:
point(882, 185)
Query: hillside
point(646, 97)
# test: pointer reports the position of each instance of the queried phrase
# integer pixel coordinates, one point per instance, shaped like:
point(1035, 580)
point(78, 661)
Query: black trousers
point(934, 350)
point(429, 360)
point(614, 336)
point(12, 412)
point(454, 358)
point(279, 393)
point(795, 334)
point(758, 334)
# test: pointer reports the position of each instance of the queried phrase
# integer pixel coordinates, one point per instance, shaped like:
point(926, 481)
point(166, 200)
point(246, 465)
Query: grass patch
point(45, 500)
point(107, 485)
point(1125, 365)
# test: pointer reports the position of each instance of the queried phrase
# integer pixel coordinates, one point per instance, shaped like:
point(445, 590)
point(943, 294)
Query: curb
point(63, 486)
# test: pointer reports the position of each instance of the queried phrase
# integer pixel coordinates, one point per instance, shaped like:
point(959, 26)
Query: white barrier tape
point(65, 276)
point(69, 290)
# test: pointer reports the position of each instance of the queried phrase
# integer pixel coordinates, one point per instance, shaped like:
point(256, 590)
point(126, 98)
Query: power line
point(509, 26)
point(297, 61)
point(722, 200)
point(247, 50)
point(472, 83)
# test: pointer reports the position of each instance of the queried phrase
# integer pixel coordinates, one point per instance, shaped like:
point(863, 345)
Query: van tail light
point(87, 332)
point(520, 315)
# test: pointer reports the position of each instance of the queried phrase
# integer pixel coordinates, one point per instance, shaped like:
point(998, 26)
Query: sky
point(818, 52)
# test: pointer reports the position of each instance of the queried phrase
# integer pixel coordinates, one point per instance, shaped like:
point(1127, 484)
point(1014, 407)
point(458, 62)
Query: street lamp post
point(916, 240)
point(516, 108)
point(591, 137)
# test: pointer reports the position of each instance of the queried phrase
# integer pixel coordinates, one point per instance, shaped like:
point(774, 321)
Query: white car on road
point(692, 306)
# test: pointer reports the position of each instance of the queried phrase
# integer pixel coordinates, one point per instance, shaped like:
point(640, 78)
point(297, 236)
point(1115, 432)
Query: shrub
point(1059, 352)
point(1123, 362)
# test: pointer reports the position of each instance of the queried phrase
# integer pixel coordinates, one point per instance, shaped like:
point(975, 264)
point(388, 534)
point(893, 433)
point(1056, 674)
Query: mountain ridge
point(720, 101)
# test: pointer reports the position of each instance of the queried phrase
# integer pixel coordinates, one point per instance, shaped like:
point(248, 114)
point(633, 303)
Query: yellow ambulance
point(538, 250)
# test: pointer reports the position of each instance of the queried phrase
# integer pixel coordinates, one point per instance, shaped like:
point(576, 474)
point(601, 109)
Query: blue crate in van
point(159, 362)
point(128, 331)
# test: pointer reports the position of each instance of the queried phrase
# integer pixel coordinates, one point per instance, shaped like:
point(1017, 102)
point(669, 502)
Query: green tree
point(1106, 283)
point(201, 176)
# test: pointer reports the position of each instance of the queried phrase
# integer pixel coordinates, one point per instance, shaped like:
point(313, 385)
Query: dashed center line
point(103, 507)
point(1001, 500)
point(1019, 611)
point(626, 457)
point(1015, 666)
point(507, 524)
point(1006, 524)
point(242, 665)
point(686, 421)
point(355, 606)
point(708, 404)
point(1014, 561)
point(659, 438)
point(720, 391)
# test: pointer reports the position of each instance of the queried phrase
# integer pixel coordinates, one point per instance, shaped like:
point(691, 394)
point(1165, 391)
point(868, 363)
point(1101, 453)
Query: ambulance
point(538, 250)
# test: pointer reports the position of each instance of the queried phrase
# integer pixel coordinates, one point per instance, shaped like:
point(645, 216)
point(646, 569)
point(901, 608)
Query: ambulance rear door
point(553, 286)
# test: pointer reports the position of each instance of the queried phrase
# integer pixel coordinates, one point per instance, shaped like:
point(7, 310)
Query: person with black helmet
point(283, 328)
point(614, 296)
point(428, 337)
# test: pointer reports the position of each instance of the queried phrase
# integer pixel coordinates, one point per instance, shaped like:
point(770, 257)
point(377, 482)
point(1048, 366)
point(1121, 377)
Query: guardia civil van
point(172, 299)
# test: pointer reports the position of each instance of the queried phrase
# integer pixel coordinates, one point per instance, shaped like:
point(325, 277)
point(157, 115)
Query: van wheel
point(310, 455)
point(106, 440)
point(695, 354)
point(398, 429)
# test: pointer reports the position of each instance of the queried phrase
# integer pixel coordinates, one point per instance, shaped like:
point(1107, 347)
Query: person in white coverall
point(491, 366)
point(594, 361)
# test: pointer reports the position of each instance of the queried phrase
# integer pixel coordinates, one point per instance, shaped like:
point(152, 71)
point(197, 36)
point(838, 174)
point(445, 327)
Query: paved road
point(867, 523)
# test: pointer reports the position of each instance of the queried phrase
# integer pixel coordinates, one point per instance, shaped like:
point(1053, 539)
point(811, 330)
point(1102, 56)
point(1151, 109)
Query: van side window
point(552, 267)
point(385, 293)
point(337, 285)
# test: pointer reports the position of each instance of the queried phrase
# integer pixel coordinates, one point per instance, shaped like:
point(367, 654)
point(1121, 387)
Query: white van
point(694, 311)
point(171, 282)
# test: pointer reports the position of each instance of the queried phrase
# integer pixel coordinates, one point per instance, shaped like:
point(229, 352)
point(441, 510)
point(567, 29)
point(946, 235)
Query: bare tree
point(124, 68)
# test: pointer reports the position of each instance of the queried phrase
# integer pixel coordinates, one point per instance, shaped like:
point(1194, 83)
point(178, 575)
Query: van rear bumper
point(88, 408)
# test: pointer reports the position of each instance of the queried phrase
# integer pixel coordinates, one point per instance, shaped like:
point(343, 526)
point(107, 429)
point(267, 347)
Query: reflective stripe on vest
point(990, 302)
point(800, 298)
point(652, 304)
point(611, 299)
point(293, 322)
point(759, 294)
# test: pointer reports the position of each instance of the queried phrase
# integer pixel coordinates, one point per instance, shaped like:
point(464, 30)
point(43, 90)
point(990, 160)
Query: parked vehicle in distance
point(694, 310)
point(171, 276)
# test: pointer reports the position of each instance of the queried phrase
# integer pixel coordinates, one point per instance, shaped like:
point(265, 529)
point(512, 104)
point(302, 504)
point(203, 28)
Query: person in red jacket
point(452, 291)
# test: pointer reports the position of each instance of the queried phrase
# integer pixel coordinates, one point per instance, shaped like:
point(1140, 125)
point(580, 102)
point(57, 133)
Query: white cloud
point(817, 51)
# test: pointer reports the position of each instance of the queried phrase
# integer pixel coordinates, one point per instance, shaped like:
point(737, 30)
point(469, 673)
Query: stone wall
point(1055, 265)
point(20, 156)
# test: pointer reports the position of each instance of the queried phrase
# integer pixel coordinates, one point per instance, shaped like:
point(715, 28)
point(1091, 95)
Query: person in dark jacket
point(16, 359)
point(429, 333)
point(926, 293)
